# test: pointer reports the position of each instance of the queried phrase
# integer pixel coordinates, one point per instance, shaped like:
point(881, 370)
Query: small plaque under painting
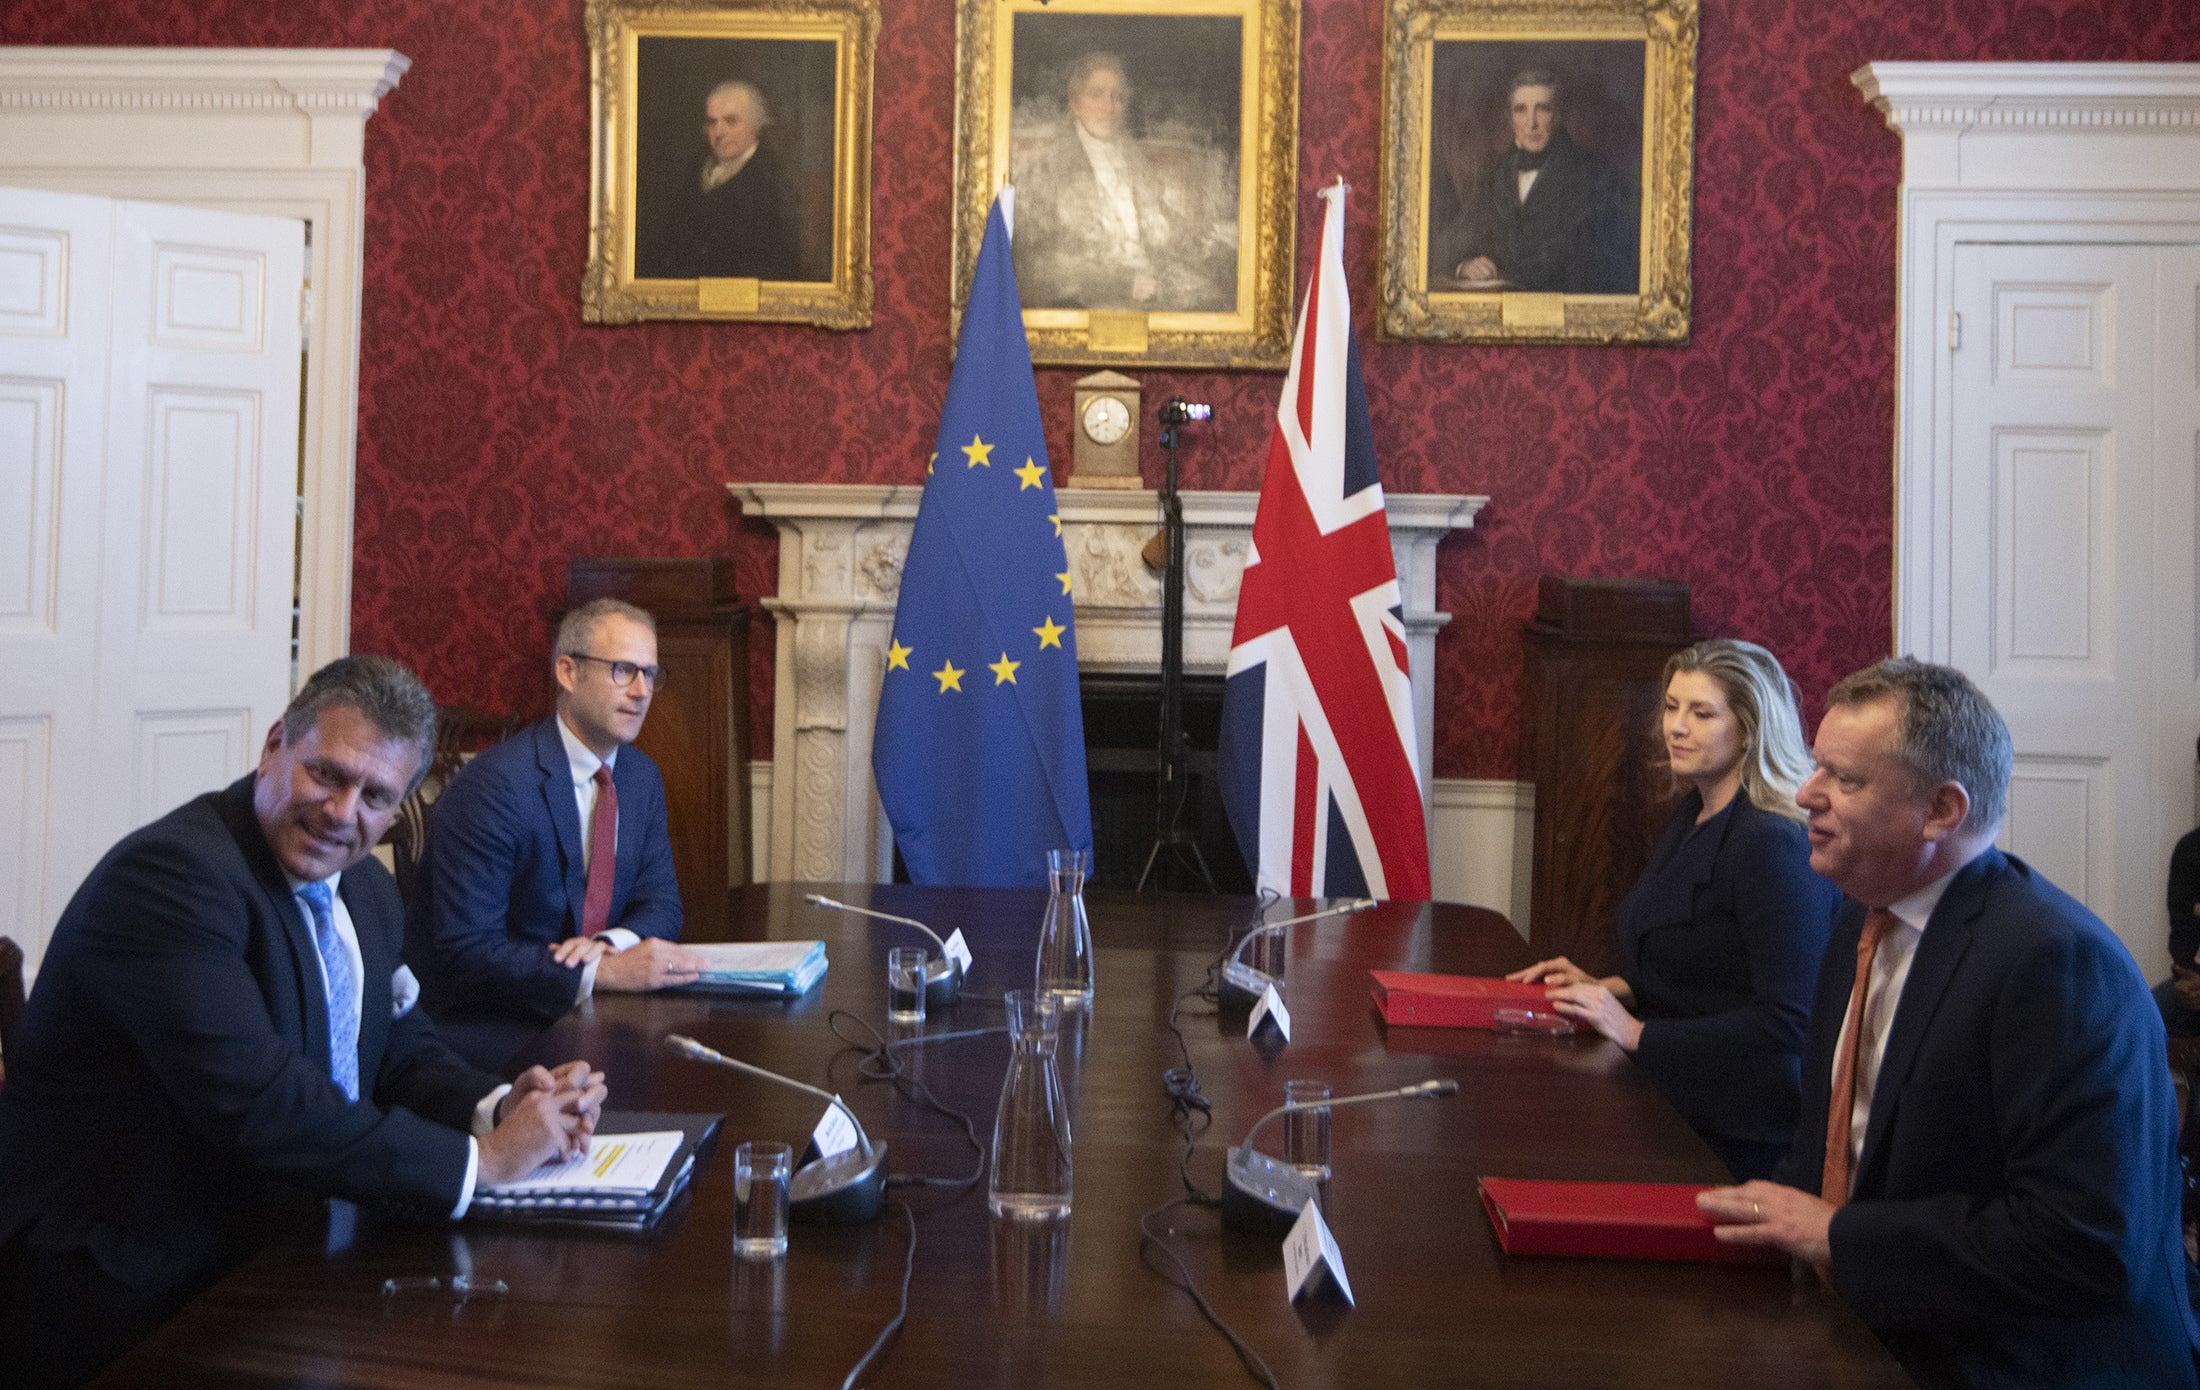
point(1116, 330)
point(1534, 310)
point(729, 296)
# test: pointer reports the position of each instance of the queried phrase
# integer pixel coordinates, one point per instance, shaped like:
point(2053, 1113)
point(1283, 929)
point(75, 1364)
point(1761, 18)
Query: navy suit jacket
point(1721, 939)
point(2016, 1215)
point(172, 1080)
point(501, 878)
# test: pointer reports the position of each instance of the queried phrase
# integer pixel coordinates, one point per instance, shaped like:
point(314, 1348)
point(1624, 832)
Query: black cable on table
point(908, 1273)
point(1247, 1357)
point(880, 1064)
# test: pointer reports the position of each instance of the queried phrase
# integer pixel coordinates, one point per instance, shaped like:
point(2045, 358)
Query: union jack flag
point(1318, 760)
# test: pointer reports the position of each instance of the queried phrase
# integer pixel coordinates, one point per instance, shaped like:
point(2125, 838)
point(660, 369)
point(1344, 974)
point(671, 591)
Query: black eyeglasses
point(624, 672)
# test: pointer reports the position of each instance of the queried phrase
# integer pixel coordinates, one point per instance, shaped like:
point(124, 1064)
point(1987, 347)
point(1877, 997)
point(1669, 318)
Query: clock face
point(1106, 419)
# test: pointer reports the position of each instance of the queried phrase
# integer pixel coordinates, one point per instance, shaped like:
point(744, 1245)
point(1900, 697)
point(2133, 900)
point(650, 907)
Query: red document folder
point(1451, 1001)
point(1610, 1220)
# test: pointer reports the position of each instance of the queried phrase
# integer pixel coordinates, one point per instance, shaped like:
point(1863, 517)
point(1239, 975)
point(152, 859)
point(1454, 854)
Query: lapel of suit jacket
point(286, 912)
point(1692, 858)
point(1947, 937)
point(564, 812)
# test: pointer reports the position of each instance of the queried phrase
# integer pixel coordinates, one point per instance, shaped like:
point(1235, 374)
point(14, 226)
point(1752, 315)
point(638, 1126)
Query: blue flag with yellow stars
point(980, 746)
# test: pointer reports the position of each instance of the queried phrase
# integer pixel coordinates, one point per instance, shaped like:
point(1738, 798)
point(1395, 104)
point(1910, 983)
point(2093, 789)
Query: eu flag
point(980, 747)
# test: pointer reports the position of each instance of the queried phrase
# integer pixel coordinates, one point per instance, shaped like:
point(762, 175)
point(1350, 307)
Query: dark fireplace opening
point(1122, 716)
point(1122, 764)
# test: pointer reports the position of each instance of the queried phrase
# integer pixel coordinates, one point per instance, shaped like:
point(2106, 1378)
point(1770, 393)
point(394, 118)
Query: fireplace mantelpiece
point(840, 555)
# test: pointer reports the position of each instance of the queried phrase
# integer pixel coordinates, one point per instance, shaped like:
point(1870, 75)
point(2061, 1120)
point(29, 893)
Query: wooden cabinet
point(1595, 651)
point(698, 726)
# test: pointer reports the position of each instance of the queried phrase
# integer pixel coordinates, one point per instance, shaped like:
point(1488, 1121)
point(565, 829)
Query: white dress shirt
point(1111, 170)
point(1890, 972)
point(584, 762)
point(485, 1112)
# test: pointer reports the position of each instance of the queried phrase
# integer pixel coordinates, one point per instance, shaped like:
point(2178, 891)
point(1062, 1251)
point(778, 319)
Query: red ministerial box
point(1610, 1220)
point(1451, 1001)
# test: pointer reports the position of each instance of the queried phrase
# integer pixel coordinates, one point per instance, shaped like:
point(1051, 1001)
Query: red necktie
point(1834, 1186)
point(603, 855)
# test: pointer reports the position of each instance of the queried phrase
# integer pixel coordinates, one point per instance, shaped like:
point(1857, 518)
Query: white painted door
point(149, 375)
point(2075, 407)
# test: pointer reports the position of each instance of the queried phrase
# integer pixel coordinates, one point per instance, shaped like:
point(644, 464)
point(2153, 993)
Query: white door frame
point(274, 130)
point(2082, 152)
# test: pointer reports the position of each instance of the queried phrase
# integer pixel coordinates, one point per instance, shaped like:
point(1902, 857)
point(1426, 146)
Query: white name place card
point(957, 949)
point(1269, 1009)
point(1310, 1252)
point(836, 1133)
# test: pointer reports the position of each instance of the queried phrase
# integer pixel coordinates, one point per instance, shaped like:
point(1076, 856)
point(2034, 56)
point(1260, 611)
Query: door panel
point(2072, 532)
point(149, 371)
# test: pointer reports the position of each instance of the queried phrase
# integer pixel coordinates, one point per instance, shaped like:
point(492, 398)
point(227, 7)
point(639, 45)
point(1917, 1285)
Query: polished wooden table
point(1004, 1304)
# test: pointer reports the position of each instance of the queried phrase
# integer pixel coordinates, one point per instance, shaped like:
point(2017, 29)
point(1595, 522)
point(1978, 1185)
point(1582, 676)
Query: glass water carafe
point(1031, 1165)
point(1065, 937)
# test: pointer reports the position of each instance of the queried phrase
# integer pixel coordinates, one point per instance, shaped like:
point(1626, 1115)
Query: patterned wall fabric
point(498, 435)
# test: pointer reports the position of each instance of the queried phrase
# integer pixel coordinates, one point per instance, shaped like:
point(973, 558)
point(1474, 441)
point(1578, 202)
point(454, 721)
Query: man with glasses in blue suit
point(547, 872)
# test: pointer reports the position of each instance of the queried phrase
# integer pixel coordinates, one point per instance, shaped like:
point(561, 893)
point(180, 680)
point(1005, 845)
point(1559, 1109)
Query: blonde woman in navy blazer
point(1720, 939)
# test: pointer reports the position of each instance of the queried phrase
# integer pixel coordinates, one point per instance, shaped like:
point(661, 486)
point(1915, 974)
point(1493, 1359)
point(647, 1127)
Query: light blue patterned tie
point(343, 1006)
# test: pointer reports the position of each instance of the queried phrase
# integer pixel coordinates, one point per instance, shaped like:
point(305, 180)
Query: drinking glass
point(1306, 1132)
point(905, 984)
point(761, 1172)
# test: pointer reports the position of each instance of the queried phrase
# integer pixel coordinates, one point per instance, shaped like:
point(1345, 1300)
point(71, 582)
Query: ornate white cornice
point(242, 80)
point(2061, 97)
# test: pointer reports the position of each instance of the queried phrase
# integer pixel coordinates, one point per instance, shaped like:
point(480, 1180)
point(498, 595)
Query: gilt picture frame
point(1153, 145)
point(1537, 166)
point(731, 161)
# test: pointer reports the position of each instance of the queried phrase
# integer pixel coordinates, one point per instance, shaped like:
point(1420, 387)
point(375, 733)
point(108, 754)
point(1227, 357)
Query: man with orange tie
point(1987, 1120)
point(547, 872)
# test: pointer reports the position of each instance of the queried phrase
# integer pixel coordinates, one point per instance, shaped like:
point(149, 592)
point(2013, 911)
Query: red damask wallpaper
point(499, 435)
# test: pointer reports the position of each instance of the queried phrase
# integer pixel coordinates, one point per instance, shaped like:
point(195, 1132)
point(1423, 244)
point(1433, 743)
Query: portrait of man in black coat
point(1544, 215)
point(736, 158)
point(739, 215)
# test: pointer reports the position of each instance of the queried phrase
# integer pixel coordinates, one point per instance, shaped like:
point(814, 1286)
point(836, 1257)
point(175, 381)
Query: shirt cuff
point(618, 939)
point(473, 1171)
point(485, 1113)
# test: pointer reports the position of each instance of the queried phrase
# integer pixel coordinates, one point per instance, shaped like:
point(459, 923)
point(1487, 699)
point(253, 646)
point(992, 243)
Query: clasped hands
point(651, 963)
point(546, 1115)
point(1586, 999)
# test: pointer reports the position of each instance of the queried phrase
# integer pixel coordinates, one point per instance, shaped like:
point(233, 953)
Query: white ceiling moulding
point(270, 130)
point(2040, 125)
point(1999, 153)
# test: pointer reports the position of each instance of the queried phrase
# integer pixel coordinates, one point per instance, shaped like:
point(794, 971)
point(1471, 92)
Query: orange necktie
point(603, 855)
point(1834, 1187)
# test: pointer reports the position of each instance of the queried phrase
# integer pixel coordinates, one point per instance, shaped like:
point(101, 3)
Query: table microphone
point(844, 1190)
point(1242, 984)
point(1263, 1194)
point(943, 975)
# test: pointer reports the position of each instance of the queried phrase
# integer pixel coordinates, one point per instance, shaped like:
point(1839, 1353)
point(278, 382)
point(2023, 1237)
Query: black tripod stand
point(1174, 786)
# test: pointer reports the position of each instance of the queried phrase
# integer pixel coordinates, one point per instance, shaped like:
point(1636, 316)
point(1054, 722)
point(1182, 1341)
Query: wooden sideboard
point(698, 726)
point(1595, 651)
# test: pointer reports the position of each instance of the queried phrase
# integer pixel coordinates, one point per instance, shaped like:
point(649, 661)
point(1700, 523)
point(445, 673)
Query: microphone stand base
point(1262, 1195)
point(848, 1189)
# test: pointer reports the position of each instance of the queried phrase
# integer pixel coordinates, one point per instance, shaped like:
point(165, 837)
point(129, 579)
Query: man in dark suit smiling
point(214, 1035)
point(1986, 1164)
point(548, 873)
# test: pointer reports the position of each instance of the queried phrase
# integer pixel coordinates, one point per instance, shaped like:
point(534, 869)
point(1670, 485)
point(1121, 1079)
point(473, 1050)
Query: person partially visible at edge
point(1721, 937)
point(1986, 1167)
point(221, 1034)
point(547, 869)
